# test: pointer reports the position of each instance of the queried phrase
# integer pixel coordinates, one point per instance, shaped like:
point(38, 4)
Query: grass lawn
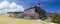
point(5, 19)
point(48, 20)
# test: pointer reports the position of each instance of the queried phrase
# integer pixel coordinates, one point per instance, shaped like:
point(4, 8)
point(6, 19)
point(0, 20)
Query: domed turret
point(38, 5)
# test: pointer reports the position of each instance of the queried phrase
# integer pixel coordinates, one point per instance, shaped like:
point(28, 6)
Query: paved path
point(46, 22)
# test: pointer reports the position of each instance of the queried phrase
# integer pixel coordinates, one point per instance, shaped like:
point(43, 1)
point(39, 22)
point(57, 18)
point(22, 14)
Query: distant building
point(14, 14)
point(32, 12)
point(50, 15)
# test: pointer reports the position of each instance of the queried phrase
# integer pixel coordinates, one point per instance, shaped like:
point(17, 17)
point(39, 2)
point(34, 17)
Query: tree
point(56, 18)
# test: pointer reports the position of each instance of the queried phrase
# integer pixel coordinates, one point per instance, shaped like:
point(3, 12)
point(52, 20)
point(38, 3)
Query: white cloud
point(20, 8)
point(15, 8)
point(9, 7)
point(4, 4)
point(1, 6)
point(13, 5)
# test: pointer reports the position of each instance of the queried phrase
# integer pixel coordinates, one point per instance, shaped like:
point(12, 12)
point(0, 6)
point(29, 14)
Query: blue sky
point(48, 5)
point(51, 5)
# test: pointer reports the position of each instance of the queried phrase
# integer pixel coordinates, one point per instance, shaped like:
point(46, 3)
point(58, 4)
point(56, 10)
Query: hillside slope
point(5, 19)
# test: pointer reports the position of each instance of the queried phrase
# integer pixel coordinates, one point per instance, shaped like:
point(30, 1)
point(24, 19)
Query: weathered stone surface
point(32, 12)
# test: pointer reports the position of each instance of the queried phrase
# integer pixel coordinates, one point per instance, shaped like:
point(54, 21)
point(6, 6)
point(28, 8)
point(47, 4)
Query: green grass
point(5, 19)
point(48, 20)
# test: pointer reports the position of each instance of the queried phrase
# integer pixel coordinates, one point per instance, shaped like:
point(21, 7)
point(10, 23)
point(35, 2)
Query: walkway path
point(46, 22)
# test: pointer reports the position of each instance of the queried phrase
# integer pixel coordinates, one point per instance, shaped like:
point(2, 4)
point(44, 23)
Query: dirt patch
point(12, 22)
